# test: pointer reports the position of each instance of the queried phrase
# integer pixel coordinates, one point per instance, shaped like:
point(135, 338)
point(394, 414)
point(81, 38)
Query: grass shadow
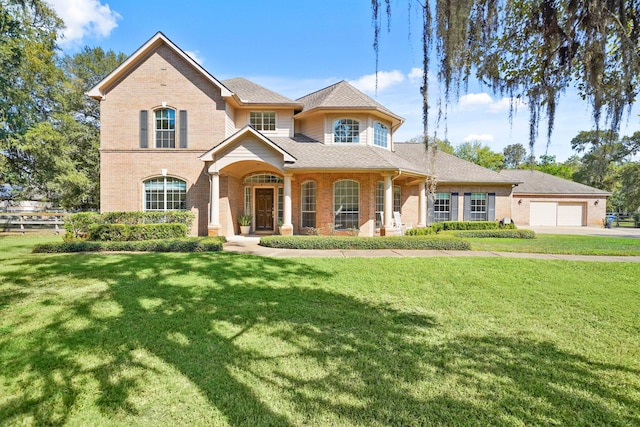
point(266, 343)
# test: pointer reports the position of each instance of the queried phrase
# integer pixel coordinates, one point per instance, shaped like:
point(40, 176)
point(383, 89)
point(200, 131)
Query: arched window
point(308, 204)
point(165, 126)
point(346, 205)
point(165, 193)
point(346, 130)
point(380, 134)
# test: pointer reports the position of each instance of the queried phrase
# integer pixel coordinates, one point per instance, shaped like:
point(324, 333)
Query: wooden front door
point(264, 209)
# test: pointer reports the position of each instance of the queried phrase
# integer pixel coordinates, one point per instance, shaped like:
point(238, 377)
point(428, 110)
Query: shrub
point(423, 231)
point(348, 242)
point(130, 218)
point(636, 219)
point(505, 233)
point(466, 225)
point(190, 244)
point(125, 232)
point(78, 224)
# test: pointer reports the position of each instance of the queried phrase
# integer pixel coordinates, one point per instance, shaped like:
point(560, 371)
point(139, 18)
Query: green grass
point(224, 339)
point(561, 244)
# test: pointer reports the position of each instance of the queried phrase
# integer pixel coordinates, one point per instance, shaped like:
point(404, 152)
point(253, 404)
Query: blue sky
point(295, 47)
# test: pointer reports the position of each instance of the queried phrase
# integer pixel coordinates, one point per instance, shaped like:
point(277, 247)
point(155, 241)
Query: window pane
point(165, 128)
point(442, 207)
point(165, 194)
point(478, 206)
point(380, 133)
point(379, 203)
point(346, 201)
point(346, 130)
point(308, 208)
point(263, 120)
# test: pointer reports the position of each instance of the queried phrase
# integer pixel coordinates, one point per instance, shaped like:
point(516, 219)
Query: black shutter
point(454, 207)
point(430, 203)
point(466, 214)
point(491, 205)
point(144, 129)
point(183, 128)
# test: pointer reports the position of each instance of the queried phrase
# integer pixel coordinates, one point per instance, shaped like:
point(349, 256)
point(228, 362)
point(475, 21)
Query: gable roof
point(449, 169)
point(249, 92)
point(536, 182)
point(99, 90)
point(343, 96)
point(209, 155)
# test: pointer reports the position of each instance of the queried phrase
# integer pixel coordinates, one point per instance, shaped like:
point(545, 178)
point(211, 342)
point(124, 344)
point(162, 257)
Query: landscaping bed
point(348, 242)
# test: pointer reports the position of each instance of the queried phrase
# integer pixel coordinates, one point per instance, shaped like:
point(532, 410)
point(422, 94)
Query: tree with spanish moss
point(531, 50)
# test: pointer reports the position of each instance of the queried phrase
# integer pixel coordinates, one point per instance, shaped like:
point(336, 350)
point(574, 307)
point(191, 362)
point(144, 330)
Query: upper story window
point(165, 120)
point(165, 193)
point(346, 130)
point(262, 120)
point(380, 134)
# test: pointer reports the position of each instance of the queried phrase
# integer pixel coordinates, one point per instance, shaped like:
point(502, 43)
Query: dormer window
point(346, 131)
point(165, 128)
point(380, 135)
point(263, 120)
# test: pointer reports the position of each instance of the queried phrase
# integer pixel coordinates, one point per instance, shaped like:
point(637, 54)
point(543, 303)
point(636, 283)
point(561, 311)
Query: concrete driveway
point(633, 233)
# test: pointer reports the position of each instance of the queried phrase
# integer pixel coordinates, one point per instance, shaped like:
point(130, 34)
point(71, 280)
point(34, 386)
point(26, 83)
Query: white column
point(214, 201)
point(422, 204)
point(287, 226)
point(388, 202)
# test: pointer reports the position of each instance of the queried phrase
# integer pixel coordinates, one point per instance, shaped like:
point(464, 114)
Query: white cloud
point(385, 79)
point(479, 138)
point(195, 55)
point(84, 18)
point(415, 75)
point(473, 100)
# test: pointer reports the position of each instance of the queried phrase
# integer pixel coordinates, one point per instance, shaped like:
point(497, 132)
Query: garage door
point(543, 214)
point(555, 214)
point(570, 214)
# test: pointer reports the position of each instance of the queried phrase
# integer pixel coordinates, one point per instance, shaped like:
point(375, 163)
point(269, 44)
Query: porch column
point(422, 205)
point(287, 226)
point(214, 205)
point(388, 202)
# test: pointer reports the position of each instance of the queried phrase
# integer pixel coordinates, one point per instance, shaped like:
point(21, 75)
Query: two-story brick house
point(175, 137)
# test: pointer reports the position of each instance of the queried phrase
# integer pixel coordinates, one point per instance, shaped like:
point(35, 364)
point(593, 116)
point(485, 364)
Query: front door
point(264, 209)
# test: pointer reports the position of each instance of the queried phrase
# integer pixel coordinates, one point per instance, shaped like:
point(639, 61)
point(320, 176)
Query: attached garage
point(543, 200)
point(554, 214)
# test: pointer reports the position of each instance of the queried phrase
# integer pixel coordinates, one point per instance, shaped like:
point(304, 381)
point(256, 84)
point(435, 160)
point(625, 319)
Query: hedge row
point(507, 234)
point(348, 242)
point(79, 224)
point(465, 225)
point(125, 232)
point(191, 244)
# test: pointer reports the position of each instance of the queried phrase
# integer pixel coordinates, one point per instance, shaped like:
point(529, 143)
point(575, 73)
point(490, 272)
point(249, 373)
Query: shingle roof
point(252, 93)
point(449, 168)
point(340, 95)
point(536, 182)
point(311, 154)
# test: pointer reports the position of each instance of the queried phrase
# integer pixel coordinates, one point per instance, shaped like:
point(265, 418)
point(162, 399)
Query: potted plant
point(245, 224)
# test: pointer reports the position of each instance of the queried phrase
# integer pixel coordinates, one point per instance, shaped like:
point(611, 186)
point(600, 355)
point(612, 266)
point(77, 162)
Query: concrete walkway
point(249, 245)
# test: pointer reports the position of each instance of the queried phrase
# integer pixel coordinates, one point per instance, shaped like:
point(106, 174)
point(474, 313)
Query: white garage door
point(543, 214)
point(570, 214)
point(555, 214)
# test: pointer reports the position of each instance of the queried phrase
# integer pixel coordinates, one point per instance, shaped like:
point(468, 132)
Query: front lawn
point(561, 244)
point(235, 340)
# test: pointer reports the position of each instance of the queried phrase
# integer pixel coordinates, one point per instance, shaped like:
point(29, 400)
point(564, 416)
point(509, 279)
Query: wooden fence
point(32, 221)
